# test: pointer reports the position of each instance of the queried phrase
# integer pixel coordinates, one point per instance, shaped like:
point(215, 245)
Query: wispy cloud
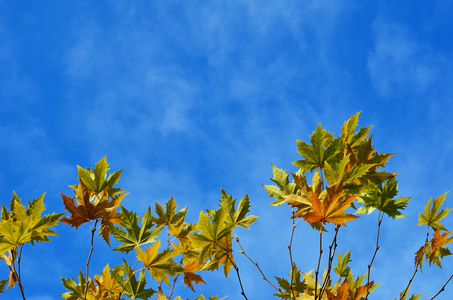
point(401, 63)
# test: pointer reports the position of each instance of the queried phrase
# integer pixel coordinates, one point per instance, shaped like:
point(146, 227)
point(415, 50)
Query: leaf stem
point(380, 217)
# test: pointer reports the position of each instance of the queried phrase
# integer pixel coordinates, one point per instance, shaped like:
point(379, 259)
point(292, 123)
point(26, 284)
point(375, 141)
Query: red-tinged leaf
point(190, 276)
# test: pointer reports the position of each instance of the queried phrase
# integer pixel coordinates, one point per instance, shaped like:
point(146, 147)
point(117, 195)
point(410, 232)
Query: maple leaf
point(328, 206)
point(169, 218)
point(432, 216)
point(437, 250)
point(323, 148)
point(337, 170)
point(2, 285)
point(10, 259)
point(348, 134)
point(96, 179)
point(107, 287)
point(301, 200)
point(159, 264)
point(342, 293)
point(135, 235)
point(92, 206)
point(365, 155)
point(222, 254)
point(77, 290)
point(189, 275)
point(201, 297)
point(288, 290)
point(342, 268)
point(284, 187)
point(161, 295)
point(133, 288)
point(211, 233)
point(356, 289)
point(236, 217)
point(413, 297)
point(382, 197)
point(19, 225)
point(182, 231)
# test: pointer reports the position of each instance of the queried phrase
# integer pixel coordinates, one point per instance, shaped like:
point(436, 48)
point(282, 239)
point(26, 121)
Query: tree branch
point(380, 217)
point(319, 262)
point(93, 230)
point(443, 287)
point(331, 256)
point(257, 266)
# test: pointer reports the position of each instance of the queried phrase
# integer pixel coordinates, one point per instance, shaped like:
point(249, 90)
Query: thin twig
point(237, 272)
point(17, 274)
point(331, 256)
point(319, 262)
point(172, 287)
point(257, 266)
point(291, 255)
point(93, 230)
point(417, 263)
point(380, 217)
point(443, 288)
point(410, 281)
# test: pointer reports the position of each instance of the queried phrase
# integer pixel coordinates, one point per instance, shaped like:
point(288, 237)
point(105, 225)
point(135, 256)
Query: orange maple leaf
point(327, 206)
point(89, 207)
point(354, 294)
point(437, 244)
point(190, 276)
point(342, 293)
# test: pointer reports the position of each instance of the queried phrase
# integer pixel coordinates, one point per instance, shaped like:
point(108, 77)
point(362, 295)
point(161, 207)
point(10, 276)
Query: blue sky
point(191, 96)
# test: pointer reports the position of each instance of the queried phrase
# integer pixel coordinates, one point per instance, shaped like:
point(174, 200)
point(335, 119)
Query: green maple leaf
point(222, 255)
point(382, 197)
point(2, 285)
point(77, 290)
point(96, 178)
point(133, 288)
point(160, 264)
point(348, 133)
point(211, 233)
point(323, 148)
point(168, 217)
point(288, 291)
point(237, 217)
point(284, 187)
point(19, 225)
point(413, 297)
point(365, 155)
point(135, 235)
point(432, 216)
point(342, 268)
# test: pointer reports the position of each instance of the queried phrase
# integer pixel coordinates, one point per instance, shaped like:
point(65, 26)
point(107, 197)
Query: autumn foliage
point(338, 180)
